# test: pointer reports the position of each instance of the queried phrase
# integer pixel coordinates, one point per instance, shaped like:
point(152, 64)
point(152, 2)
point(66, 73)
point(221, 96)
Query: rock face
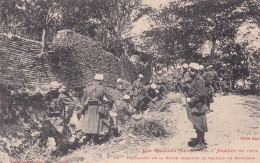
point(77, 59)
point(74, 60)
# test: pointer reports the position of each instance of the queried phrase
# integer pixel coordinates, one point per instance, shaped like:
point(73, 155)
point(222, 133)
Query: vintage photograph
point(89, 81)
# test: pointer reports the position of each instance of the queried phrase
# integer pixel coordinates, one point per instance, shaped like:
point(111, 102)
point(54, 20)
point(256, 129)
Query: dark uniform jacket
point(208, 79)
point(68, 104)
point(198, 104)
point(138, 93)
point(198, 93)
point(123, 113)
point(150, 93)
point(61, 110)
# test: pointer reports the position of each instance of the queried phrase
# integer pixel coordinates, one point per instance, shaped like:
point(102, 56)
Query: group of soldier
point(198, 86)
point(92, 118)
point(69, 120)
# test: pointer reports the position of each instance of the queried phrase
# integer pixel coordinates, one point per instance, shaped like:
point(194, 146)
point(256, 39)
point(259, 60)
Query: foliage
point(203, 31)
point(106, 21)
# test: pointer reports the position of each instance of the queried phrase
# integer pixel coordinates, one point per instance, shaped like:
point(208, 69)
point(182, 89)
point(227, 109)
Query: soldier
point(224, 84)
point(124, 111)
point(179, 76)
point(138, 94)
point(214, 76)
point(197, 106)
point(150, 95)
point(94, 111)
point(208, 77)
point(175, 76)
point(60, 112)
point(185, 80)
point(70, 104)
point(124, 86)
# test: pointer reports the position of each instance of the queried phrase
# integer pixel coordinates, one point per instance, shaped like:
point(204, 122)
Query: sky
point(144, 24)
point(156, 3)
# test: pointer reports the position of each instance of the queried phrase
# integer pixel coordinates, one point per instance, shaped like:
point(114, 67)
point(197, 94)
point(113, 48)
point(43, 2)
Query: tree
point(114, 19)
point(204, 31)
point(248, 37)
point(106, 21)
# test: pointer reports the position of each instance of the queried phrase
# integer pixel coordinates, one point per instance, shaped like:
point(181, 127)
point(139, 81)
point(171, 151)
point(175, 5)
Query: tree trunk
point(44, 36)
point(212, 50)
point(150, 68)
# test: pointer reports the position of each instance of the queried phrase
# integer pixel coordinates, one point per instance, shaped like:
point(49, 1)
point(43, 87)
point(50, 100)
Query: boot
point(87, 139)
point(75, 144)
point(92, 140)
point(96, 139)
point(194, 141)
point(201, 143)
point(199, 147)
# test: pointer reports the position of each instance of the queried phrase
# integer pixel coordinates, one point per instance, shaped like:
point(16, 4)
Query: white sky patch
point(156, 3)
point(249, 33)
point(205, 48)
point(145, 23)
point(141, 25)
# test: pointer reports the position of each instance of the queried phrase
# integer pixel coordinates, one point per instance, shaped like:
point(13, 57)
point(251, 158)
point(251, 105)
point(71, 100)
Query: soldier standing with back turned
point(91, 123)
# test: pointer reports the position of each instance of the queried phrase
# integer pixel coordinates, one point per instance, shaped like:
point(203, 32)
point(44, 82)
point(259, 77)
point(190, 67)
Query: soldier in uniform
point(124, 86)
point(138, 94)
point(91, 123)
point(214, 77)
point(179, 76)
point(185, 80)
point(208, 78)
point(150, 93)
point(175, 75)
point(225, 84)
point(197, 106)
point(60, 112)
point(124, 111)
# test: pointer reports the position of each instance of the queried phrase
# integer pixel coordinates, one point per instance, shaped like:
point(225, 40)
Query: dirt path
point(233, 133)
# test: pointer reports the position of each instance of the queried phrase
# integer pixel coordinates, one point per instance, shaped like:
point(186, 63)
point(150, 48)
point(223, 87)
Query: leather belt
point(93, 103)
